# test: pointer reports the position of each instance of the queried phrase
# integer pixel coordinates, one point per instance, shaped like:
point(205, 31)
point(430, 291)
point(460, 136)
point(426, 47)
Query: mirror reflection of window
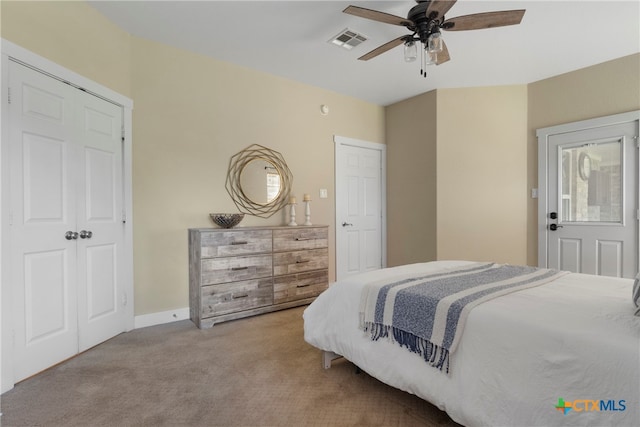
point(260, 181)
point(273, 183)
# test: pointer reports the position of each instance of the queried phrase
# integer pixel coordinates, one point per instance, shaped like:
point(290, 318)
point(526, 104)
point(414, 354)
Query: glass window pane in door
point(591, 182)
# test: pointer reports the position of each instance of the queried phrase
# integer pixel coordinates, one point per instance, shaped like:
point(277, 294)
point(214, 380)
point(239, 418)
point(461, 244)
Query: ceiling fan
point(425, 20)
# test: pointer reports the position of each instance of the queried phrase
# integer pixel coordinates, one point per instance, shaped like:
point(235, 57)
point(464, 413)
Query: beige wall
point(457, 180)
point(487, 160)
point(411, 180)
point(74, 35)
point(481, 184)
point(191, 113)
point(609, 88)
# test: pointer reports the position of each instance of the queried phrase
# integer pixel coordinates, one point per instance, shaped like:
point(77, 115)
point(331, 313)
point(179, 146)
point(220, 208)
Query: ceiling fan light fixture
point(434, 43)
point(410, 51)
point(431, 58)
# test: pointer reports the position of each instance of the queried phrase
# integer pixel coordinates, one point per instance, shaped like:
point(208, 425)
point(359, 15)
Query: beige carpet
point(257, 371)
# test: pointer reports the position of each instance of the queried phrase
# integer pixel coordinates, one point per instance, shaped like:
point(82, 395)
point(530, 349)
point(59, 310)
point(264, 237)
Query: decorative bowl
point(226, 220)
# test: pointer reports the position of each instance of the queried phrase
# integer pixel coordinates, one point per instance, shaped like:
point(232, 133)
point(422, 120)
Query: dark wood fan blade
point(478, 21)
point(382, 49)
point(444, 55)
point(375, 15)
point(437, 8)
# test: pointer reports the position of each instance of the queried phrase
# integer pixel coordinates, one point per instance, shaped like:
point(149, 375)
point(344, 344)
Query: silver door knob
point(346, 224)
point(84, 234)
point(71, 235)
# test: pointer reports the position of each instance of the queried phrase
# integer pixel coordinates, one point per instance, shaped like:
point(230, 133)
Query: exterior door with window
point(592, 191)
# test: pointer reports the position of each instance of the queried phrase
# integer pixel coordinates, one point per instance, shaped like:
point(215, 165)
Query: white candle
point(292, 200)
point(306, 198)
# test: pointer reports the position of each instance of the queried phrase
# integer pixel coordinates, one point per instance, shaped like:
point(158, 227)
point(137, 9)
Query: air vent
point(348, 39)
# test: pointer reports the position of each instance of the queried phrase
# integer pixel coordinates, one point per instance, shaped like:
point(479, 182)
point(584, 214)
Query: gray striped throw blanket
point(426, 314)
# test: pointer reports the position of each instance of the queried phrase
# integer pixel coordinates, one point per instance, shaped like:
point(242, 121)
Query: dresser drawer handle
point(303, 286)
point(239, 243)
point(239, 296)
point(238, 268)
point(302, 261)
point(301, 239)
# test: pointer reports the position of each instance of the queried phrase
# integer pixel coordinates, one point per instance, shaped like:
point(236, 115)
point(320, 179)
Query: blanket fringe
point(434, 355)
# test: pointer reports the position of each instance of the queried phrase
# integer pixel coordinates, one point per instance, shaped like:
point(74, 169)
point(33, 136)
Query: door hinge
point(124, 216)
point(9, 95)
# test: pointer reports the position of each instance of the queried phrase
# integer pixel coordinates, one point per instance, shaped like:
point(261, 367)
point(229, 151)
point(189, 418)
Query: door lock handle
point(554, 227)
point(346, 224)
point(71, 235)
point(84, 234)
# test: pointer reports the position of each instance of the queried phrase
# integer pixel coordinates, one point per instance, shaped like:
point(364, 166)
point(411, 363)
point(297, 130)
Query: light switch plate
point(534, 193)
point(323, 193)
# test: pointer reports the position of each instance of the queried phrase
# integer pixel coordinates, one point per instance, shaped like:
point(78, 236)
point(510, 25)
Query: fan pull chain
point(422, 67)
point(424, 62)
point(425, 67)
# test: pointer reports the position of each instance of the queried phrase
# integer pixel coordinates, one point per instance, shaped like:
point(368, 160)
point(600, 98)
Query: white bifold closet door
point(66, 231)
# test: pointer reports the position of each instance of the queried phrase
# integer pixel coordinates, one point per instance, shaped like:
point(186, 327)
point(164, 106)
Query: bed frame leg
point(327, 357)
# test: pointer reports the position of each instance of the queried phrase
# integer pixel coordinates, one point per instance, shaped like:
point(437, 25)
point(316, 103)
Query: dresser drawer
point(222, 270)
point(300, 238)
point(299, 261)
point(299, 286)
point(236, 242)
point(237, 296)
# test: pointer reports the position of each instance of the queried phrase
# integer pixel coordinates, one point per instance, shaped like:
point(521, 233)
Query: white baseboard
point(161, 317)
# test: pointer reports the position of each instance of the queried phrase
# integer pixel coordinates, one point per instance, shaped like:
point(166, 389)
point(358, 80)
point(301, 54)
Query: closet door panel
point(100, 199)
point(46, 276)
point(45, 162)
point(43, 210)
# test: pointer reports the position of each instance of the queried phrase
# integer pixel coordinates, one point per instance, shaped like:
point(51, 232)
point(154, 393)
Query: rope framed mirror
point(259, 181)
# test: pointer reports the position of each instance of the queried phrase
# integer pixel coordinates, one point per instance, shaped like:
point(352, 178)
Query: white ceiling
point(290, 39)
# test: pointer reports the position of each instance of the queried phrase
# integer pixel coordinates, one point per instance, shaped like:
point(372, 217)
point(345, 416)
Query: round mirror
point(259, 181)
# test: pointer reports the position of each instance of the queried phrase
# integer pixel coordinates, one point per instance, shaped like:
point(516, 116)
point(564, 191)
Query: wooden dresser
point(245, 271)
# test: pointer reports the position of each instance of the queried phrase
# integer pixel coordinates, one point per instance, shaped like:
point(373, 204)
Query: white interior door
point(66, 232)
point(42, 210)
point(593, 200)
point(99, 221)
point(359, 208)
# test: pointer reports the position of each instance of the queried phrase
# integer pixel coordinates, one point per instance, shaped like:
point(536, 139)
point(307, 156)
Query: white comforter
point(575, 338)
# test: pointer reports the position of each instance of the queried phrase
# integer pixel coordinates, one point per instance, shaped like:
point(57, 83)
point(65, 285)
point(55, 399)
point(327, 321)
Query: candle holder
point(292, 210)
point(307, 212)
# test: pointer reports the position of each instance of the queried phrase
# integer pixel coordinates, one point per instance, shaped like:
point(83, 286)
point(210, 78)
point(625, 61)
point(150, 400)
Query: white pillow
point(636, 294)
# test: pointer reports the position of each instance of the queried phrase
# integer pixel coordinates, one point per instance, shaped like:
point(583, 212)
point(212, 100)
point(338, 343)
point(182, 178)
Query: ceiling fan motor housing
point(423, 25)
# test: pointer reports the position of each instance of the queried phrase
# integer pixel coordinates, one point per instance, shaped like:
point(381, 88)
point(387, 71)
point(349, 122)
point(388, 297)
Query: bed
point(566, 352)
